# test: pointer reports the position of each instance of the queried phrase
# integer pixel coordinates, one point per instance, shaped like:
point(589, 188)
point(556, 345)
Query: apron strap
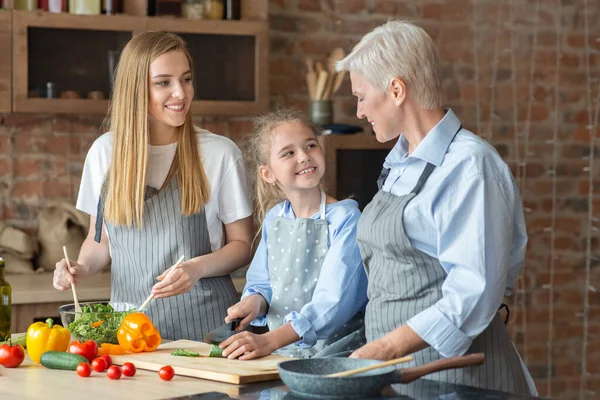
point(100, 209)
point(323, 204)
point(99, 214)
point(382, 177)
point(423, 178)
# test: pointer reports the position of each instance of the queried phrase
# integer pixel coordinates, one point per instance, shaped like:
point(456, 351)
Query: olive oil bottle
point(4, 304)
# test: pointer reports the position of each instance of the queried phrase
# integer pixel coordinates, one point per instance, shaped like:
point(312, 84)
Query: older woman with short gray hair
point(444, 238)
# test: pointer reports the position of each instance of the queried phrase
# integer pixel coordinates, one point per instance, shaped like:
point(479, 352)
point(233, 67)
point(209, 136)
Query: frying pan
point(305, 378)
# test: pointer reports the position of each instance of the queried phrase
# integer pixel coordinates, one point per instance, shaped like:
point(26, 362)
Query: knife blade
point(223, 332)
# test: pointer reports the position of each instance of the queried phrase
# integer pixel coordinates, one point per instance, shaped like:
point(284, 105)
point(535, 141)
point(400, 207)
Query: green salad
point(98, 322)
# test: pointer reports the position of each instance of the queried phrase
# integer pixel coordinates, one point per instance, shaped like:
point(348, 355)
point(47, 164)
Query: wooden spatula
point(370, 367)
point(75, 300)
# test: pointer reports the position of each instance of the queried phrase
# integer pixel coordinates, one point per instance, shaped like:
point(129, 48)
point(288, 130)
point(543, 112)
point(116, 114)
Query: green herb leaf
point(106, 332)
point(185, 353)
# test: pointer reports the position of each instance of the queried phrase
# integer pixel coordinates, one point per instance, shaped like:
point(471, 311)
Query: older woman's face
point(377, 107)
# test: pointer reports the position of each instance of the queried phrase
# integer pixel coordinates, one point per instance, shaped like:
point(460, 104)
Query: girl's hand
point(179, 281)
point(247, 346)
point(64, 277)
point(247, 309)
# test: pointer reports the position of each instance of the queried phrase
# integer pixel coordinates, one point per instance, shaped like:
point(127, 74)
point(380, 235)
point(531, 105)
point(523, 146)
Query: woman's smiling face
point(170, 89)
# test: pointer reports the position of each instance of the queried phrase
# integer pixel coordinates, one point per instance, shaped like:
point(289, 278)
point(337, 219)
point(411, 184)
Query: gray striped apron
point(296, 250)
point(404, 281)
point(140, 255)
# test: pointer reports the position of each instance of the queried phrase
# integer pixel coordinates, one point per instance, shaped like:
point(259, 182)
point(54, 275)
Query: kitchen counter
point(33, 381)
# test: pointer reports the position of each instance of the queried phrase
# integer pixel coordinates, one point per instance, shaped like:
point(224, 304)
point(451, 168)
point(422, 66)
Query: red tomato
point(88, 349)
point(113, 372)
point(83, 369)
point(11, 356)
point(99, 364)
point(166, 373)
point(128, 369)
point(108, 360)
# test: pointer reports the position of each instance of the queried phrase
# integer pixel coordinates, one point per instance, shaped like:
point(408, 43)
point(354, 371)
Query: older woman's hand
point(398, 343)
point(381, 349)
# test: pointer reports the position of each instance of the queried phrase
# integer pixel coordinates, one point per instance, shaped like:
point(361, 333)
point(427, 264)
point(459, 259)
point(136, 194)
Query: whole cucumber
point(61, 360)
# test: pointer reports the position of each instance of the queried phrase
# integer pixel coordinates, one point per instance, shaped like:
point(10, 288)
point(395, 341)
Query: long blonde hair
point(256, 151)
point(128, 116)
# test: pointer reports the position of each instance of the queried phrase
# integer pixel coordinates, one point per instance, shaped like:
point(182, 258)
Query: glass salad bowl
point(98, 321)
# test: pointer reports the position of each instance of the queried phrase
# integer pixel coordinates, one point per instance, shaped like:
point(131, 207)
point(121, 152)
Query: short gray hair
point(399, 49)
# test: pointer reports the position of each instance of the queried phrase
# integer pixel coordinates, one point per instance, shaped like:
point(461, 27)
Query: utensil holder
point(321, 112)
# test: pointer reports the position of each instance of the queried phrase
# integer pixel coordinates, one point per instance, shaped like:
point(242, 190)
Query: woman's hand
point(398, 343)
point(380, 349)
point(180, 280)
point(65, 276)
point(247, 346)
point(247, 309)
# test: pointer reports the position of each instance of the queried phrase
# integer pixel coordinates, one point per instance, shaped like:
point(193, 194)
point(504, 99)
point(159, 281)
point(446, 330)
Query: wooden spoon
point(369, 368)
point(77, 307)
point(336, 55)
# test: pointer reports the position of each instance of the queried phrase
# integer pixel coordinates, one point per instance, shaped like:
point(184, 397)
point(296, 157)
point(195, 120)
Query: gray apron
point(140, 255)
point(404, 281)
point(296, 250)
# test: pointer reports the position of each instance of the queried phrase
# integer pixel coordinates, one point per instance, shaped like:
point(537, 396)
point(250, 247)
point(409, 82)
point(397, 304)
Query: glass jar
point(192, 9)
point(214, 9)
point(29, 5)
point(5, 306)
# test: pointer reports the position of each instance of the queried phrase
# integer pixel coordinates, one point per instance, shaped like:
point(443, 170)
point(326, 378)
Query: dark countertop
point(422, 389)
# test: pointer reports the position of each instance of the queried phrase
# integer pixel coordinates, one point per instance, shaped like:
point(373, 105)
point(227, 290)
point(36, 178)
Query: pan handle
point(407, 375)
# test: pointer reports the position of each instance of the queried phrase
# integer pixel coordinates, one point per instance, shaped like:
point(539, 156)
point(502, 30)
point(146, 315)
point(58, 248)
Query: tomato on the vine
point(99, 364)
point(83, 369)
point(128, 369)
point(113, 372)
point(108, 360)
point(11, 356)
point(166, 373)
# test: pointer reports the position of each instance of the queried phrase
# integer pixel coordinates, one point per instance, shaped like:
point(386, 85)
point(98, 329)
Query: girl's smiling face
point(296, 160)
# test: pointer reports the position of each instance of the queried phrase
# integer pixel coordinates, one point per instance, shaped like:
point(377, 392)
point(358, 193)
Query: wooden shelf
point(231, 56)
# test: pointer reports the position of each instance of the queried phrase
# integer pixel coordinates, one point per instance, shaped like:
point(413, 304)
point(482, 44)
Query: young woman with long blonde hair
point(156, 188)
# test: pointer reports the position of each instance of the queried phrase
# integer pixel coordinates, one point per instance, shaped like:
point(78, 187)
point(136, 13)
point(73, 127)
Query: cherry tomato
point(113, 372)
point(166, 373)
point(88, 349)
point(99, 364)
point(128, 369)
point(11, 356)
point(83, 369)
point(108, 360)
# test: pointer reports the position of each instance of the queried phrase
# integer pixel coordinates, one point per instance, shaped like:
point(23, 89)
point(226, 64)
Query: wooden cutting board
point(216, 369)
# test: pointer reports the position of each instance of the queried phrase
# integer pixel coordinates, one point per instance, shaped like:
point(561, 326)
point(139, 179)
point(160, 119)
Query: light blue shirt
point(469, 216)
point(341, 290)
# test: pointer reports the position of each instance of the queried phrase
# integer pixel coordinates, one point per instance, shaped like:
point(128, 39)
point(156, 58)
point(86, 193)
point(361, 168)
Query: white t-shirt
point(223, 165)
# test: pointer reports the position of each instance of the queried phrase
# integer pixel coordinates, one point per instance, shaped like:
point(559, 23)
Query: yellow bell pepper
point(42, 337)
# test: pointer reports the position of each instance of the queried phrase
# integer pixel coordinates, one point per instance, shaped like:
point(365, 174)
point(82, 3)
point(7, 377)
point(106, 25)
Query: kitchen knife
point(223, 332)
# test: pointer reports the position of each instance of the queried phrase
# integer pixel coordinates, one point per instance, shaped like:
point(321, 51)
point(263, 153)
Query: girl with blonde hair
point(157, 188)
point(306, 280)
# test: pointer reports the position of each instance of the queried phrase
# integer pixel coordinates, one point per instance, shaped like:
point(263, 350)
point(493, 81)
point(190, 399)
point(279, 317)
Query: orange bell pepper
point(137, 334)
point(111, 349)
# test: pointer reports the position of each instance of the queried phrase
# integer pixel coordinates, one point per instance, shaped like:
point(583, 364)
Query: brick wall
point(501, 76)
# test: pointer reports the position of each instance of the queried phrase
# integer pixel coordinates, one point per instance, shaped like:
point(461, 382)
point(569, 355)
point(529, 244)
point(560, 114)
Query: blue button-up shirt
point(469, 216)
point(341, 290)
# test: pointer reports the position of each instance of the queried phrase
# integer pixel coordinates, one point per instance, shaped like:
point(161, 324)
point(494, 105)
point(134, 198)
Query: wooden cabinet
point(354, 163)
point(5, 67)
point(75, 54)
